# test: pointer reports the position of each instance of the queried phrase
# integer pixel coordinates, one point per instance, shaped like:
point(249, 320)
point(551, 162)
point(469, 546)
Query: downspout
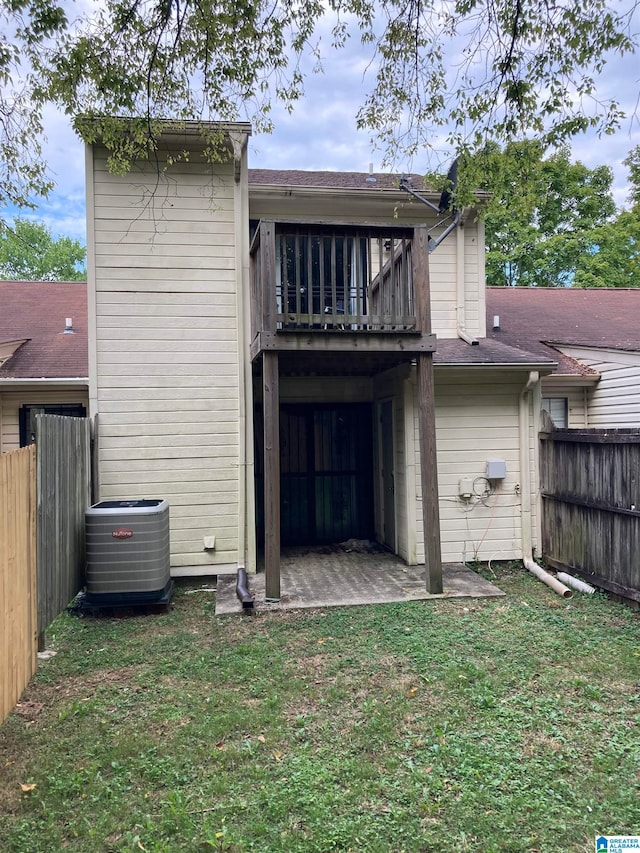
point(460, 294)
point(241, 223)
point(525, 491)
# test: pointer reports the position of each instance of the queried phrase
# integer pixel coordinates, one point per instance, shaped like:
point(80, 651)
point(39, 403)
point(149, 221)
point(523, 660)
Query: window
point(28, 417)
point(558, 409)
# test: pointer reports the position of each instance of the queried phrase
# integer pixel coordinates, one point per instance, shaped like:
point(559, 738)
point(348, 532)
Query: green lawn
point(506, 724)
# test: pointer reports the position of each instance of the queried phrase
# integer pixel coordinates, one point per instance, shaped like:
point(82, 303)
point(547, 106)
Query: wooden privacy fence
point(64, 493)
point(18, 611)
point(44, 492)
point(590, 482)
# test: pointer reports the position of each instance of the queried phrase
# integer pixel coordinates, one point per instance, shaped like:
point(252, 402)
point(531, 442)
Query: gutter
point(575, 380)
point(525, 489)
point(497, 365)
point(51, 383)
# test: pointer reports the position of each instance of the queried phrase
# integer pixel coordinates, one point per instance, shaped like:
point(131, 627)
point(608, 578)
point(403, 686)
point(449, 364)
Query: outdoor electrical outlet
point(465, 488)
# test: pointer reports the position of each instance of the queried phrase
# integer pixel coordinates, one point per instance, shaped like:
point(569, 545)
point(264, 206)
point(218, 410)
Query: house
point(593, 334)
point(278, 355)
point(43, 355)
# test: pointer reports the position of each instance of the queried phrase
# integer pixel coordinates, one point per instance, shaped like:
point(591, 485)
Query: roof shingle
point(536, 318)
point(36, 311)
point(331, 180)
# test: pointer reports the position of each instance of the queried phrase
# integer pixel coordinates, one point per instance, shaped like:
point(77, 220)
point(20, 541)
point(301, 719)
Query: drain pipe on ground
point(525, 492)
point(576, 583)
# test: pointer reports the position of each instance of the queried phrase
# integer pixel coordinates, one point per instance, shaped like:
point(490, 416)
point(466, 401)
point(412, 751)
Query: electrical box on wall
point(496, 469)
point(465, 488)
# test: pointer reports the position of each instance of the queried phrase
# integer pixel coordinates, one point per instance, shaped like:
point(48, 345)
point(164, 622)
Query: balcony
point(338, 289)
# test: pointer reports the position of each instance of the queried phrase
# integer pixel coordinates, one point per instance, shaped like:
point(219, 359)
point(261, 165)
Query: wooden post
point(271, 404)
point(427, 418)
point(268, 275)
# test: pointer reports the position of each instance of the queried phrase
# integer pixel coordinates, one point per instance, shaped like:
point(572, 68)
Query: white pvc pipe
point(545, 577)
point(525, 491)
point(576, 583)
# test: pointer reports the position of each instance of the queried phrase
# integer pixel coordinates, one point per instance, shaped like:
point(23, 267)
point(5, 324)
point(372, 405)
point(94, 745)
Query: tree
point(632, 162)
point(545, 213)
point(614, 257)
point(28, 252)
point(504, 68)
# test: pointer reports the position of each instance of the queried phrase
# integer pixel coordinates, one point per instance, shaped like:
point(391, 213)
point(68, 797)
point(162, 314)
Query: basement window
point(28, 414)
point(558, 409)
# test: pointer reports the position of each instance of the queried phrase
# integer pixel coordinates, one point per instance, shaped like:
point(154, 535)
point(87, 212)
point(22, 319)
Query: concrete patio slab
point(335, 576)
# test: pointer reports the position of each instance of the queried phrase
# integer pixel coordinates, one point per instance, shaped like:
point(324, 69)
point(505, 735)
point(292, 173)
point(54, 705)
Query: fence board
point(64, 493)
point(18, 613)
point(590, 484)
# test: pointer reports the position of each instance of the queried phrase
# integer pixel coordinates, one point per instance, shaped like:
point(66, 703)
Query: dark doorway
point(326, 473)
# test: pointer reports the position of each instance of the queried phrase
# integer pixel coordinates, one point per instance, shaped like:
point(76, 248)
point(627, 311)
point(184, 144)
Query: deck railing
point(330, 277)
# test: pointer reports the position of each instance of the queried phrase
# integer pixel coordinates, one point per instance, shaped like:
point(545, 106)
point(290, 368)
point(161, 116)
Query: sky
point(321, 134)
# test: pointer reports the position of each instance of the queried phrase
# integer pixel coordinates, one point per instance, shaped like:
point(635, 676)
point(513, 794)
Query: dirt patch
point(534, 742)
point(39, 699)
point(29, 710)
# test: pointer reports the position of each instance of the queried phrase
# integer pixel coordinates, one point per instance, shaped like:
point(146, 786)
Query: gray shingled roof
point(331, 180)
point(487, 352)
point(36, 311)
point(534, 319)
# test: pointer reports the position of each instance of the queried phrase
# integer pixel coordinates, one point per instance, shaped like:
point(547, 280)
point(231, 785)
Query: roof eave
point(541, 367)
point(344, 192)
point(43, 380)
point(582, 380)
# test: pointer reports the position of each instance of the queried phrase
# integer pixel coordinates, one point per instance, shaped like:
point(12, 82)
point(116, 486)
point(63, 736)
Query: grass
point(493, 725)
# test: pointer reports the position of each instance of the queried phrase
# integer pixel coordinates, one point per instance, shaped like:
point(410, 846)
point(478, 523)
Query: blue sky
point(322, 134)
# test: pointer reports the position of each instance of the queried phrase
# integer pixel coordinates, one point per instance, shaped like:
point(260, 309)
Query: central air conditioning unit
point(128, 558)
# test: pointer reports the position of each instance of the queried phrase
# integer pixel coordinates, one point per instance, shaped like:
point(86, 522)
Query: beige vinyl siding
point(443, 284)
point(615, 401)
point(11, 401)
point(474, 294)
point(166, 349)
point(477, 418)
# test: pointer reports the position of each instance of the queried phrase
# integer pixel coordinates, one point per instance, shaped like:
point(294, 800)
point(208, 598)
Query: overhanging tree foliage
point(503, 68)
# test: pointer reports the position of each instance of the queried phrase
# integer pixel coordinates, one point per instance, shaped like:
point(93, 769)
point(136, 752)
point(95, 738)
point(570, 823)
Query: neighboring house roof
point(540, 320)
point(330, 180)
point(266, 180)
point(35, 312)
